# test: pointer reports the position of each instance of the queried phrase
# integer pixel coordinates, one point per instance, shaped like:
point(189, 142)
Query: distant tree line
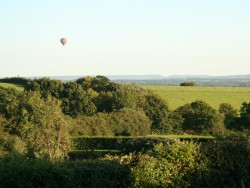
point(15, 80)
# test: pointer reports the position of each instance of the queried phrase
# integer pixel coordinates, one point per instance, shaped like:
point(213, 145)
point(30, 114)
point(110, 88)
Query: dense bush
point(170, 164)
point(228, 163)
point(125, 122)
point(22, 172)
point(128, 122)
point(188, 84)
point(127, 144)
point(223, 163)
point(95, 125)
point(91, 154)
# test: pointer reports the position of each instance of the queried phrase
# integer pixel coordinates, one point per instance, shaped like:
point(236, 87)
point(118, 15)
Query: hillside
point(176, 96)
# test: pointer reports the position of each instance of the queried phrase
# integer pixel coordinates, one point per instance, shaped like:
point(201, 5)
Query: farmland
point(176, 96)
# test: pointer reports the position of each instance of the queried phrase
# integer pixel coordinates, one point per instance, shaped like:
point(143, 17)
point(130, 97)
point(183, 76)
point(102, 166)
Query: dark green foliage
point(128, 122)
point(91, 154)
point(227, 110)
point(94, 125)
point(128, 96)
point(216, 163)
point(40, 123)
point(157, 111)
point(188, 84)
point(199, 117)
point(127, 144)
point(46, 87)
point(169, 164)
point(22, 172)
point(98, 83)
point(15, 80)
point(123, 122)
point(230, 115)
point(76, 101)
point(228, 163)
point(173, 124)
point(239, 123)
point(7, 97)
point(90, 95)
point(244, 119)
point(104, 102)
point(5, 138)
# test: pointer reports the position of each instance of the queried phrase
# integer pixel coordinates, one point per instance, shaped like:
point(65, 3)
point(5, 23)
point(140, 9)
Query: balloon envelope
point(63, 41)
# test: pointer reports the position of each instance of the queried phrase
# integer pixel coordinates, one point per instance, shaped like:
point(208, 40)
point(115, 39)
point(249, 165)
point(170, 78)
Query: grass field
point(176, 96)
point(15, 86)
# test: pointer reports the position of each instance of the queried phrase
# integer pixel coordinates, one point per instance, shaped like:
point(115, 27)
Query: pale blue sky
point(115, 37)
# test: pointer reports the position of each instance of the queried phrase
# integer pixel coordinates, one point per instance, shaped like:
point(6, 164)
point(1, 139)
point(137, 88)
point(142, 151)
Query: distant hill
point(173, 80)
point(200, 80)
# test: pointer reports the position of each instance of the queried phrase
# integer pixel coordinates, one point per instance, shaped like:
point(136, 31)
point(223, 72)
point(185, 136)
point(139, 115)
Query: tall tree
point(41, 124)
point(157, 111)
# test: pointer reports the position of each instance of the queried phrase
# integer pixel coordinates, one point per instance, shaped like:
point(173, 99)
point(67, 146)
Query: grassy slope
point(177, 96)
point(15, 86)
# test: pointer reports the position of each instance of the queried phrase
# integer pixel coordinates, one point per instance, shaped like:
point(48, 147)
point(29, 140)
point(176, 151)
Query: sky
point(129, 37)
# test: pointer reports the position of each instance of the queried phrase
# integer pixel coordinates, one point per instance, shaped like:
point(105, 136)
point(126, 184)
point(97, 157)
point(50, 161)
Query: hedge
point(91, 154)
point(128, 144)
point(22, 172)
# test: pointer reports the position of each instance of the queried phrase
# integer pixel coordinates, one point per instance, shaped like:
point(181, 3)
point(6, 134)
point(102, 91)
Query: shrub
point(127, 144)
point(228, 162)
point(188, 84)
point(91, 154)
point(95, 125)
point(128, 122)
point(170, 164)
point(18, 171)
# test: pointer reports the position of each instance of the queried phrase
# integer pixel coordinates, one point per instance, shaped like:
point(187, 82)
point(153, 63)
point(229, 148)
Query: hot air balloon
point(63, 41)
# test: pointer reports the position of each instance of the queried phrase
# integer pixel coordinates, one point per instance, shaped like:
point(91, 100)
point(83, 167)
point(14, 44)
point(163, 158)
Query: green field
point(176, 96)
point(15, 86)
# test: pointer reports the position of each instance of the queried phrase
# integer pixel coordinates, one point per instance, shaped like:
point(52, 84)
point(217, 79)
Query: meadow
point(176, 96)
point(19, 87)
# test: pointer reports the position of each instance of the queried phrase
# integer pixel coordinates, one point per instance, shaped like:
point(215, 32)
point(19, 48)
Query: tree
point(199, 117)
point(7, 96)
point(104, 102)
point(98, 83)
point(9, 143)
point(244, 120)
point(229, 114)
point(157, 111)
point(188, 84)
point(76, 101)
point(173, 124)
point(94, 125)
point(46, 87)
point(129, 122)
point(41, 124)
